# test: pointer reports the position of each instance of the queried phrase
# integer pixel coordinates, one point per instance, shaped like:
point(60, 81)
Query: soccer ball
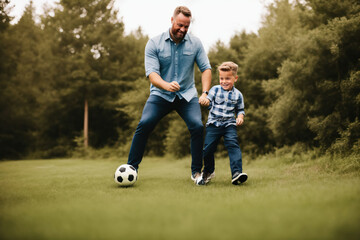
point(125, 175)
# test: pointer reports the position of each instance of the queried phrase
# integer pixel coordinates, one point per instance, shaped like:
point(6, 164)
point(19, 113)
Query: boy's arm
point(240, 112)
point(240, 119)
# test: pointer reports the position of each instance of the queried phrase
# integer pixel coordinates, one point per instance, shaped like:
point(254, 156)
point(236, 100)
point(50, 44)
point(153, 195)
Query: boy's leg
point(154, 110)
point(232, 145)
point(213, 135)
point(190, 112)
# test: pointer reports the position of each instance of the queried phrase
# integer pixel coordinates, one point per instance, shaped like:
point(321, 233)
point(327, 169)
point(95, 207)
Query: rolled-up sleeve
point(152, 63)
point(201, 58)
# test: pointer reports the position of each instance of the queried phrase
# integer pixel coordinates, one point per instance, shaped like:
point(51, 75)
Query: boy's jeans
point(213, 135)
point(155, 109)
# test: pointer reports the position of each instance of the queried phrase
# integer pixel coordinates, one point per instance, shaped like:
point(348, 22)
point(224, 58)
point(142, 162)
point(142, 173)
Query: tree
point(274, 42)
point(23, 83)
point(96, 63)
point(7, 69)
point(309, 100)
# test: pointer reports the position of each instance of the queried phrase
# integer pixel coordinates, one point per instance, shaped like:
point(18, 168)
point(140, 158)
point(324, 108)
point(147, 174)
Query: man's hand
point(203, 100)
point(173, 87)
point(157, 81)
point(240, 120)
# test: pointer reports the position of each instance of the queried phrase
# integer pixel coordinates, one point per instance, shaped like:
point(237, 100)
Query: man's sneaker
point(200, 181)
point(239, 178)
point(206, 176)
point(195, 176)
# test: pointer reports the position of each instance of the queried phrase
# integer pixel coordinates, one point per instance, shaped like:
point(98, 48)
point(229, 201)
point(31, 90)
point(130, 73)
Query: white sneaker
point(195, 177)
point(239, 178)
point(200, 181)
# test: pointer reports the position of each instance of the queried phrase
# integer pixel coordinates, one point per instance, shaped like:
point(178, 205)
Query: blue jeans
point(213, 135)
point(155, 109)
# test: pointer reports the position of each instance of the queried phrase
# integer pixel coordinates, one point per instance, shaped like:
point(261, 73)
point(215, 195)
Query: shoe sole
point(240, 179)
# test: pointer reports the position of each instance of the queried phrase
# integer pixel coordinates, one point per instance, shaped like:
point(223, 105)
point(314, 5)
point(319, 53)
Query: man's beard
point(178, 35)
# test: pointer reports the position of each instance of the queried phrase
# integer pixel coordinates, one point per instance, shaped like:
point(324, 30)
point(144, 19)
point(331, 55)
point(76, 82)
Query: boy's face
point(227, 79)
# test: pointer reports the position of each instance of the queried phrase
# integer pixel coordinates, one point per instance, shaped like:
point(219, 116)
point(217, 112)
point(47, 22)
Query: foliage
point(178, 138)
point(299, 75)
point(310, 96)
point(77, 52)
point(20, 71)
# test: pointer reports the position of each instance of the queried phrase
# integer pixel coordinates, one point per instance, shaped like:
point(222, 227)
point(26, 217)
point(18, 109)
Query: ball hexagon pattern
point(125, 175)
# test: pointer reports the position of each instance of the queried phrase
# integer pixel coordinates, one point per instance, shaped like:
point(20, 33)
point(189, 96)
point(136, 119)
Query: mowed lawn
point(78, 199)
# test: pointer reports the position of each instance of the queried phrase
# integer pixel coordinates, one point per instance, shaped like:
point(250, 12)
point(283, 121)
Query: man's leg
point(155, 109)
point(190, 112)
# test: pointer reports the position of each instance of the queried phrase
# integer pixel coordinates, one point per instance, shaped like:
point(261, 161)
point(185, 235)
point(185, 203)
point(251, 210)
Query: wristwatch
point(206, 92)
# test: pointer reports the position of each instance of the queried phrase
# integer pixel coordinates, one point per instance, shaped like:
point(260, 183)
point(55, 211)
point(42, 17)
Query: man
point(169, 64)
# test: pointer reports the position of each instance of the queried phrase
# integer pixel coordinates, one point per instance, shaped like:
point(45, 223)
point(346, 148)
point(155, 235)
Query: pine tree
point(96, 63)
point(21, 80)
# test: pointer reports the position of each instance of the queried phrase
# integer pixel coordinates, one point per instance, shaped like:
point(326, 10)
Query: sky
point(213, 20)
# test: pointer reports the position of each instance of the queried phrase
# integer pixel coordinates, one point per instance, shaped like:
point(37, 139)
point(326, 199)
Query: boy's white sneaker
point(238, 178)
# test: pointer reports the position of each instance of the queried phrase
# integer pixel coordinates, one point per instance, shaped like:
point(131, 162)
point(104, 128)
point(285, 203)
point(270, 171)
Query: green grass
point(77, 199)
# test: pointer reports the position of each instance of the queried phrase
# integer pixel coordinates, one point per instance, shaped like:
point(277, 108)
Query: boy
point(226, 112)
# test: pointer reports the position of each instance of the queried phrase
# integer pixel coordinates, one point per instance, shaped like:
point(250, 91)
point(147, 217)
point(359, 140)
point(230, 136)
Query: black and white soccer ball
point(125, 175)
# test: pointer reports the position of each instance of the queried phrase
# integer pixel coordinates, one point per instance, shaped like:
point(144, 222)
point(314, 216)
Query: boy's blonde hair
point(229, 66)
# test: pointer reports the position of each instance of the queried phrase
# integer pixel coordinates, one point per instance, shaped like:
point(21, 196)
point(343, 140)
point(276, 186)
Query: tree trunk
point(86, 123)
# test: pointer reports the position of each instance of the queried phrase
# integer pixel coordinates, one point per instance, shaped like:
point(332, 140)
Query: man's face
point(227, 80)
point(180, 26)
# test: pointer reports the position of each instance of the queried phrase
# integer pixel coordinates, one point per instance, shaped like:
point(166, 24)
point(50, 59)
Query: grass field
point(77, 199)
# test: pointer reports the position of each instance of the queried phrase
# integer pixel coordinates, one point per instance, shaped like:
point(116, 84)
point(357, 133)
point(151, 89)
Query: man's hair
point(229, 66)
point(182, 9)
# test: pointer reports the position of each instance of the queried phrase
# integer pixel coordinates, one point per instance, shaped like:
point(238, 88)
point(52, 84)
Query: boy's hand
point(203, 100)
point(240, 120)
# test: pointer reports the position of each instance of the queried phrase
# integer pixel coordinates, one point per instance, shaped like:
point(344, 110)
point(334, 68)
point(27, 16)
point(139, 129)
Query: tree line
point(299, 75)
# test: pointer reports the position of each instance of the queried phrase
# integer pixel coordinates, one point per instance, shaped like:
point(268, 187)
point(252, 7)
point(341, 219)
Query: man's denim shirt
point(175, 62)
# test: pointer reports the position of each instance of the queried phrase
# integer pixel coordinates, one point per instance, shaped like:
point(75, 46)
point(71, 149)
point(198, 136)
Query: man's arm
point(206, 83)
point(152, 69)
point(158, 82)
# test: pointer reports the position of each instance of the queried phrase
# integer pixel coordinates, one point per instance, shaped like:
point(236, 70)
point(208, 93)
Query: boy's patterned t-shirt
point(225, 106)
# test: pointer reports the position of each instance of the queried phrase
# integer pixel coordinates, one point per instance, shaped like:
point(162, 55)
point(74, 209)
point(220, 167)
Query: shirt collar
point(232, 90)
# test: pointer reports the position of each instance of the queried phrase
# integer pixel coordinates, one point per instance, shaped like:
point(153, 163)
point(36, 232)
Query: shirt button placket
point(176, 62)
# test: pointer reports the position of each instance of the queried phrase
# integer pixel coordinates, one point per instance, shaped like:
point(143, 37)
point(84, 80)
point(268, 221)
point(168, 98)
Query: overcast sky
point(213, 20)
